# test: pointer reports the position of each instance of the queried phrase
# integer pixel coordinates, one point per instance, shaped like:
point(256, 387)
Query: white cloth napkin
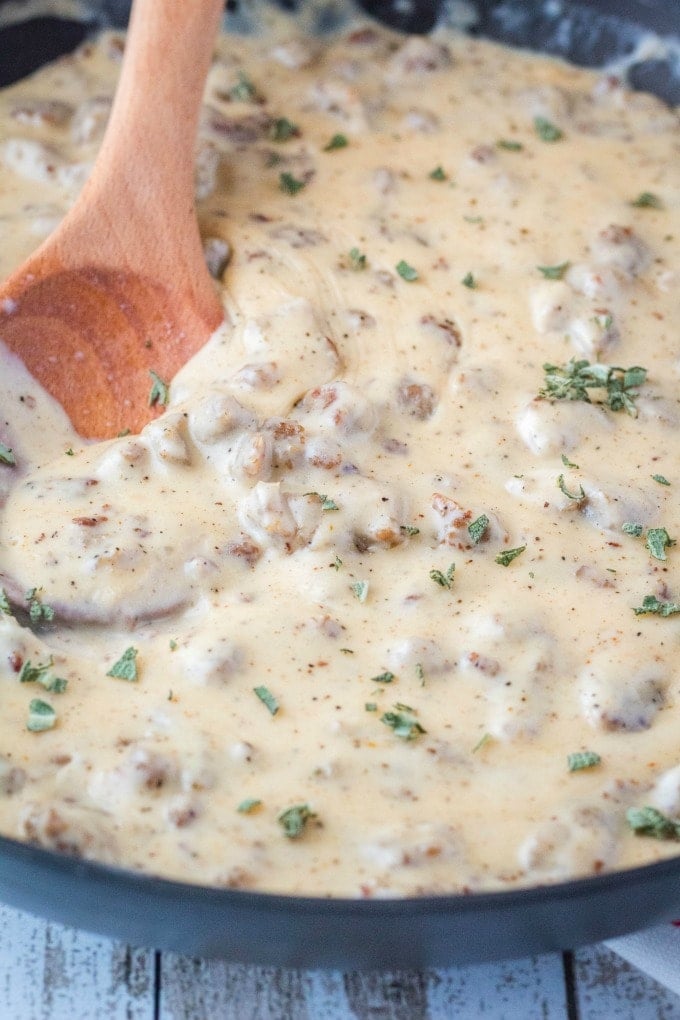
point(655, 951)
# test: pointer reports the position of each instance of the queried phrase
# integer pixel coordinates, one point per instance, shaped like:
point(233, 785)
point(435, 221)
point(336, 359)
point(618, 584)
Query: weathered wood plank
point(48, 972)
point(193, 988)
point(610, 988)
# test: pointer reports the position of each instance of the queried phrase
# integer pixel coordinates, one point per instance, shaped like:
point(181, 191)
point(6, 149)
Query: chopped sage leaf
point(661, 480)
point(554, 272)
point(243, 91)
point(250, 804)
point(294, 820)
point(41, 716)
point(159, 393)
point(37, 610)
point(336, 142)
point(647, 821)
point(632, 529)
point(478, 529)
point(383, 678)
point(267, 699)
point(289, 184)
point(126, 667)
point(406, 271)
point(582, 760)
point(336, 564)
point(347, 651)
point(509, 145)
point(420, 673)
point(651, 604)
point(658, 540)
point(360, 589)
point(357, 259)
point(4, 603)
point(576, 379)
point(444, 580)
point(578, 497)
point(647, 200)
point(568, 463)
point(546, 130)
point(506, 557)
point(371, 706)
point(326, 502)
point(469, 281)
point(409, 529)
point(483, 740)
point(403, 723)
point(41, 674)
point(283, 129)
point(438, 174)
point(7, 455)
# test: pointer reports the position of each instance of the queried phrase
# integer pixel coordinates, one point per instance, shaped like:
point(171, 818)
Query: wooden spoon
point(121, 287)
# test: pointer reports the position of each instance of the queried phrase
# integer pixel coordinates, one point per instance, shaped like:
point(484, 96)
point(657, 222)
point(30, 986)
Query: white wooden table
point(48, 972)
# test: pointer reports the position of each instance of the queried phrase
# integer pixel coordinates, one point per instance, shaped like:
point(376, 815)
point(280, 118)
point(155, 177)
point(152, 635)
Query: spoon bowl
point(119, 296)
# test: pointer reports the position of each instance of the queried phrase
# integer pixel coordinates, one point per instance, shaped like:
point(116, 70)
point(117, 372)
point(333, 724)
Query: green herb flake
point(469, 281)
point(652, 605)
point(554, 272)
point(41, 716)
point(5, 607)
point(383, 678)
point(267, 699)
point(506, 557)
point(126, 667)
point(658, 540)
point(249, 805)
point(509, 145)
point(347, 651)
point(546, 130)
point(485, 739)
point(647, 821)
point(41, 673)
point(420, 673)
point(582, 760)
point(290, 185)
point(37, 610)
point(661, 479)
point(294, 820)
point(336, 564)
point(632, 529)
point(568, 463)
point(404, 724)
point(326, 502)
point(360, 589)
point(574, 381)
point(406, 271)
point(244, 90)
point(357, 259)
point(647, 200)
point(370, 706)
point(478, 529)
point(578, 497)
point(173, 645)
point(7, 455)
point(409, 529)
point(444, 580)
point(438, 174)
point(282, 130)
point(159, 393)
point(336, 142)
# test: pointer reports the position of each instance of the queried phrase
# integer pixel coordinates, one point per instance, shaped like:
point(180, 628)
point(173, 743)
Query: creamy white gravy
point(291, 523)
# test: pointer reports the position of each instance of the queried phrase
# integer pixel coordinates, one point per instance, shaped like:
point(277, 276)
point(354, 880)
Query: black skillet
point(362, 934)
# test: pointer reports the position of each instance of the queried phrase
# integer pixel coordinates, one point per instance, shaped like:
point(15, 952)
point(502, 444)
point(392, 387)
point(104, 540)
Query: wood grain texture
point(193, 989)
point(610, 988)
point(48, 972)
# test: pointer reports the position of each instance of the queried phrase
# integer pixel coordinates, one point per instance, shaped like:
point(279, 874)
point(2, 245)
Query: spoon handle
point(140, 195)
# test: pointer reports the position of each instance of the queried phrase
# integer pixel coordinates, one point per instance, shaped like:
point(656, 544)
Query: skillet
point(363, 934)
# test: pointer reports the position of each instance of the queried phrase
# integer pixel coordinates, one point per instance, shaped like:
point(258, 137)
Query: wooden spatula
point(121, 289)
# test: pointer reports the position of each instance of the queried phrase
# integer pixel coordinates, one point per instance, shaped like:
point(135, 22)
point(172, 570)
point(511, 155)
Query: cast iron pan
point(362, 934)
